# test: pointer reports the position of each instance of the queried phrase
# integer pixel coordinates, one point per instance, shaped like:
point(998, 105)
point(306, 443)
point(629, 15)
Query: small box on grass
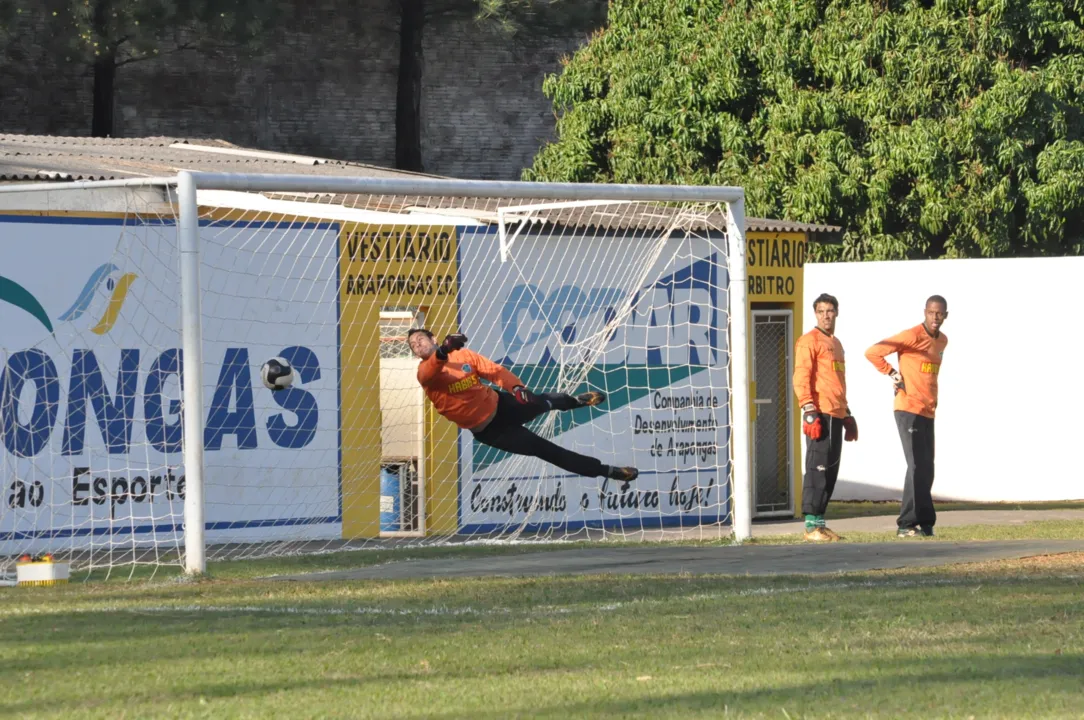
point(40, 570)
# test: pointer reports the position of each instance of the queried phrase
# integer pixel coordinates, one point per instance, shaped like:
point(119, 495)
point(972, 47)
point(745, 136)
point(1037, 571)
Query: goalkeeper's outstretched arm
point(493, 372)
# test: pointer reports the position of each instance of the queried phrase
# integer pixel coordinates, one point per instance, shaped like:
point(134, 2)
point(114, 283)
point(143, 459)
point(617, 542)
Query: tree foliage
point(940, 128)
point(537, 19)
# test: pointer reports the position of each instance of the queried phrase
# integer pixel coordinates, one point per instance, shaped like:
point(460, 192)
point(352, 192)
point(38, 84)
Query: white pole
point(423, 469)
point(54, 186)
point(195, 560)
point(524, 191)
point(739, 373)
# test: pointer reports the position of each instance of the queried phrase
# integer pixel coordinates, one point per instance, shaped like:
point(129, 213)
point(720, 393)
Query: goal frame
point(187, 183)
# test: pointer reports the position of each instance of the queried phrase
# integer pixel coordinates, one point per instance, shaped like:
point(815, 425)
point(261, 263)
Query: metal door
point(773, 435)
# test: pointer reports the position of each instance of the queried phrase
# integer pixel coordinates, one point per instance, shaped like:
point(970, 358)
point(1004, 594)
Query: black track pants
point(822, 466)
point(916, 435)
point(506, 432)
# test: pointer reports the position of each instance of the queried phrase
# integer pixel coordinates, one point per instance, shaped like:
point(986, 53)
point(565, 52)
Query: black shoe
point(905, 532)
point(591, 398)
point(925, 531)
point(624, 474)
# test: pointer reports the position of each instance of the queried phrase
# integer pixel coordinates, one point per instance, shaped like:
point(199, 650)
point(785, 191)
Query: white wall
point(400, 406)
point(1009, 412)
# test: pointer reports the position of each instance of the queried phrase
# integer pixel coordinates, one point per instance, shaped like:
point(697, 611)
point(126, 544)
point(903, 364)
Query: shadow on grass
point(897, 687)
point(900, 688)
point(243, 621)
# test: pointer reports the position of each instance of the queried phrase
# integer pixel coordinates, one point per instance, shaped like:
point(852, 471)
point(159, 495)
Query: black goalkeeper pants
point(506, 432)
point(822, 466)
point(916, 435)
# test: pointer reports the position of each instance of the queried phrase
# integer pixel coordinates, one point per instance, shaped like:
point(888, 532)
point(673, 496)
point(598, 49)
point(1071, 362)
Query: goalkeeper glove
point(850, 429)
point(522, 394)
point(897, 380)
point(811, 422)
point(455, 341)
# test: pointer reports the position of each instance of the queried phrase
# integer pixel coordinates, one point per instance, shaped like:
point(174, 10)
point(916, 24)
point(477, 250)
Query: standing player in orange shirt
point(821, 387)
point(452, 378)
point(920, 350)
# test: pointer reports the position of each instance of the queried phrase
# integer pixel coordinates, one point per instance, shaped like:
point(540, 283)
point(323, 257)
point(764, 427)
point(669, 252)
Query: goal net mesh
point(625, 298)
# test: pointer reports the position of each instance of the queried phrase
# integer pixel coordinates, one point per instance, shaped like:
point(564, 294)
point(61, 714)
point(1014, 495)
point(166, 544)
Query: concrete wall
point(327, 87)
point(1007, 416)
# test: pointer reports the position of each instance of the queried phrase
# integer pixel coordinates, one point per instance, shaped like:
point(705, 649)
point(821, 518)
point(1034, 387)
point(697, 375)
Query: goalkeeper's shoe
point(591, 398)
point(818, 534)
point(624, 474)
point(832, 535)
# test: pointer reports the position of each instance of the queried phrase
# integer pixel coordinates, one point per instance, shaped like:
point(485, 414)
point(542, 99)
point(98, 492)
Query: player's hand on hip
point(850, 429)
point(897, 381)
point(811, 422)
point(522, 394)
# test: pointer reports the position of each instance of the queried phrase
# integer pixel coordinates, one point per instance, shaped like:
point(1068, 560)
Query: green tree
point(932, 128)
point(522, 21)
point(105, 35)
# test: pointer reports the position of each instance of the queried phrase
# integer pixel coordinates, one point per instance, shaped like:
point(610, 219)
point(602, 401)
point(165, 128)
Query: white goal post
point(620, 242)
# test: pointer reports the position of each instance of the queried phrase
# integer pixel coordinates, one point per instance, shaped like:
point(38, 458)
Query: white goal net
point(627, 297)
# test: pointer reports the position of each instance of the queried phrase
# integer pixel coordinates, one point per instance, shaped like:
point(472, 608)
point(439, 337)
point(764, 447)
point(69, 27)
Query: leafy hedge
point(927, 129)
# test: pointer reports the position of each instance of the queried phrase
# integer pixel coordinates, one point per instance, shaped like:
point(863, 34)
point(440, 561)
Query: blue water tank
point(390, 504)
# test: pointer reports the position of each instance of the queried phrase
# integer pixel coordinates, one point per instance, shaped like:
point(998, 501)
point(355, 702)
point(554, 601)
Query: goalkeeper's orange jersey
point(455, 386)
point(920, 362)
point(819, 373)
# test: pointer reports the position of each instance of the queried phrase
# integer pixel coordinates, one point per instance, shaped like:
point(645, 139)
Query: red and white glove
point(811, 422)
point(522, 394)
point(455, 341)
point(850, 429)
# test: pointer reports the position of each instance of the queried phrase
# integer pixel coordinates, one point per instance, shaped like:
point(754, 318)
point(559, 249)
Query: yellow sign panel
point(774, 263)
point(381, 268)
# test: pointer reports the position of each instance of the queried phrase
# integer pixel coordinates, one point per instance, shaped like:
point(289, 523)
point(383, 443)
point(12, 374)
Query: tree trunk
point(105, 72)
point(408, 99)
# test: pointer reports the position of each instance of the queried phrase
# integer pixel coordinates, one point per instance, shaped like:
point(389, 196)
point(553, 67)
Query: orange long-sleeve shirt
point(920, 362)
point(456, 390)
point(819, 369)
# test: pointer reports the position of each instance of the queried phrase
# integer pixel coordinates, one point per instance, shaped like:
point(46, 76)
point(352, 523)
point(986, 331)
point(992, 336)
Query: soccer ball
point(277, 374)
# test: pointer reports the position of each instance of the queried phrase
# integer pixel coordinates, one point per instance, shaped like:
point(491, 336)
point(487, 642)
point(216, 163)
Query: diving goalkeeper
point(452, 378)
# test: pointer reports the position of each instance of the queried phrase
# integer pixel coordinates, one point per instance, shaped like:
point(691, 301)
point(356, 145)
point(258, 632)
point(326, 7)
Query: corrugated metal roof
point(765, 225)
point(45, 158)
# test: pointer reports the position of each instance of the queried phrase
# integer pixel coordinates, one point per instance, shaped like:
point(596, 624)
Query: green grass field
point(1001, 639)
point(850, 509)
